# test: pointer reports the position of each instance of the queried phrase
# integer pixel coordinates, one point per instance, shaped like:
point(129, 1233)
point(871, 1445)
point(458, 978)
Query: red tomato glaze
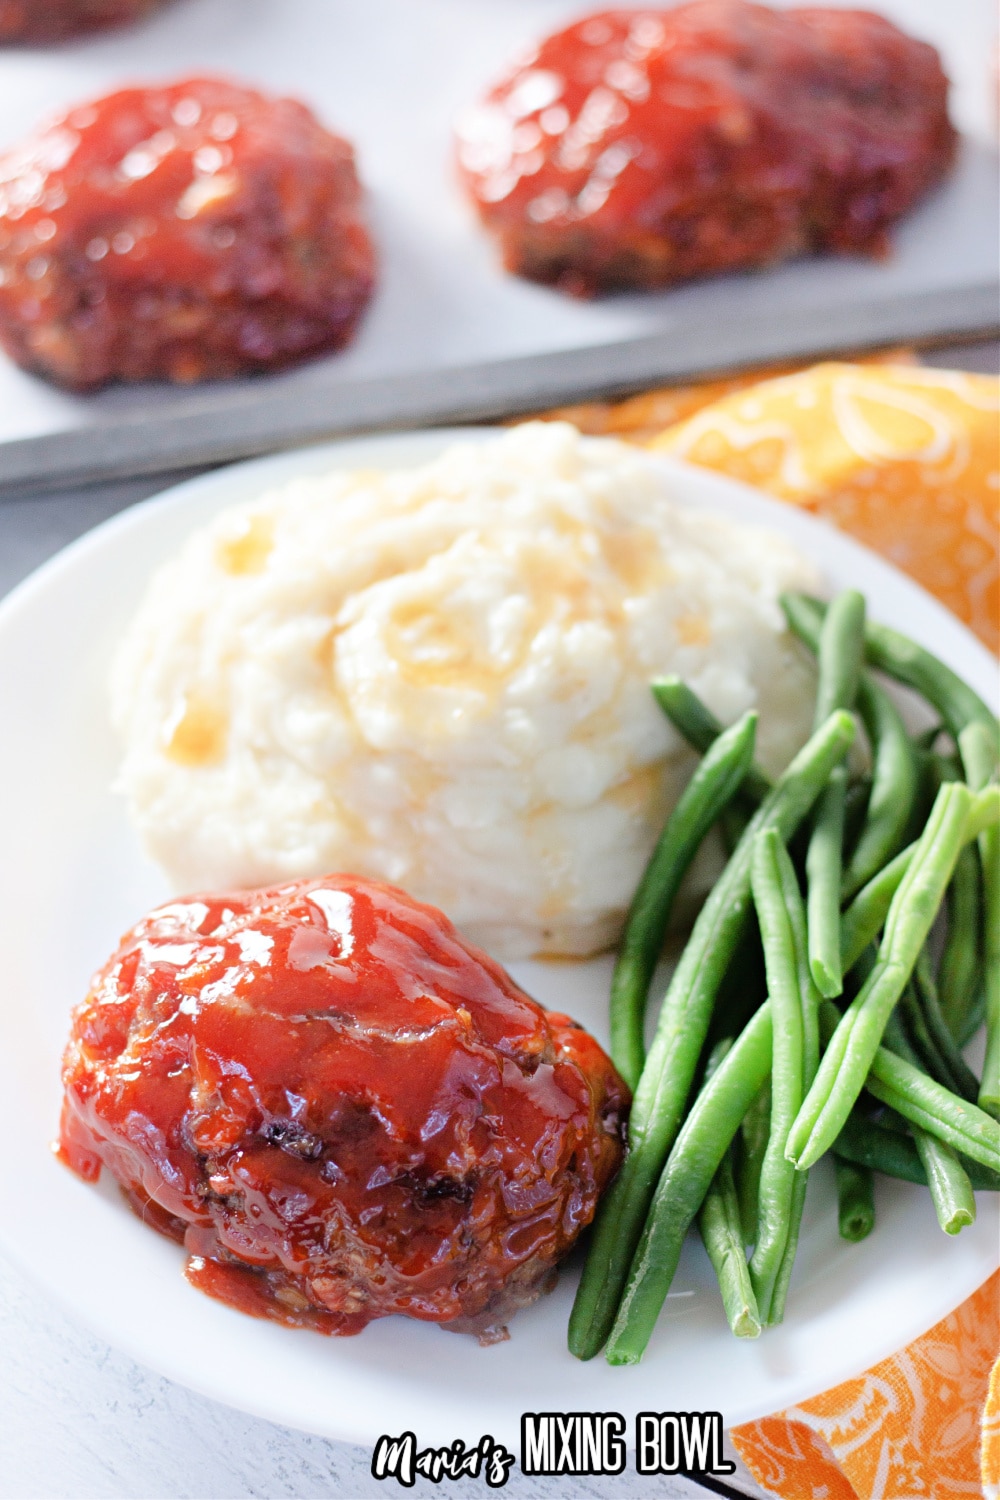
point(640, 147)
point(182, 232)
point(340, 1108)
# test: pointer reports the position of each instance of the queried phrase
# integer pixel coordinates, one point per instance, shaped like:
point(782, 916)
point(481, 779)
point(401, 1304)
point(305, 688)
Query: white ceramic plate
point(72, 878)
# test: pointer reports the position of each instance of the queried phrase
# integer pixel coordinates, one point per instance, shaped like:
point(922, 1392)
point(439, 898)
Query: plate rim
point(794, 519)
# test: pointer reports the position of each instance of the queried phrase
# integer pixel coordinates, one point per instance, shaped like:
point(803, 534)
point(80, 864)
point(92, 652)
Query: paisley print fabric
point(907, 1428)
point(905, 459)
point(991, 1437)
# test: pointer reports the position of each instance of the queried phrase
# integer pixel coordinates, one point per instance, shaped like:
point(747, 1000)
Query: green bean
point(870, 1144)
point(951, 1191)
point(944, 768)
point(742, 991)
point(716, 780)
point(848, 1057)
point(734, 819)
point(699, 726)
point(894, 787)
point(789, 980)
point(684, 1018)
point(856, 980)
point(900, 658)
point(777, 1174)
point(865, 917)
point(859, 789)
point(978, 747)
point(923, 1102)
point(841, 649)
point(754, 1133)
point(693, 1161)
point(973, 1018)
point(811, 997)
point(895, 771)
point(911, 1016)
point(792, 899)
point(811, 1000)
point(932, 770)
point(823, 880)
point(719, 1222)
point(979, 752)
point(927, 1002)
point(840, 654)
point(958, 975)
point(855, 1200)
point(791, 1246)
point(717, 1057)
point(906, 661)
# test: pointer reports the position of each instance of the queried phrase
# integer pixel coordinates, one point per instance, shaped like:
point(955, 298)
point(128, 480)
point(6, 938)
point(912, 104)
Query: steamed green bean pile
point(869, 902)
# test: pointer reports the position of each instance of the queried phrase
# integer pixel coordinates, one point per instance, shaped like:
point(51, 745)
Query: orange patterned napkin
point(991, 1437)
point(906, 459)
point(907, 1427)
point(640, 419)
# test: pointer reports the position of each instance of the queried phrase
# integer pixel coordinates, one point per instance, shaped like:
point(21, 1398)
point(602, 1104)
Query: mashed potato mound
point(439, 677)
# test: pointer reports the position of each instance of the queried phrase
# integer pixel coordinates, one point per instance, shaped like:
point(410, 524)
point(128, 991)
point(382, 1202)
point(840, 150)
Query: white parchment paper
point(391, 75)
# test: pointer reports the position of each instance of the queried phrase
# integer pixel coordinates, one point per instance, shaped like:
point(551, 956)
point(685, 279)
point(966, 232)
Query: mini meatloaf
point(54, 20)
point(340, 1108)
point(183, 232)
point(641, 147)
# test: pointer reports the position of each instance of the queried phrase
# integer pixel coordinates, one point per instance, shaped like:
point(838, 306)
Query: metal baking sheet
point(449, 336)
